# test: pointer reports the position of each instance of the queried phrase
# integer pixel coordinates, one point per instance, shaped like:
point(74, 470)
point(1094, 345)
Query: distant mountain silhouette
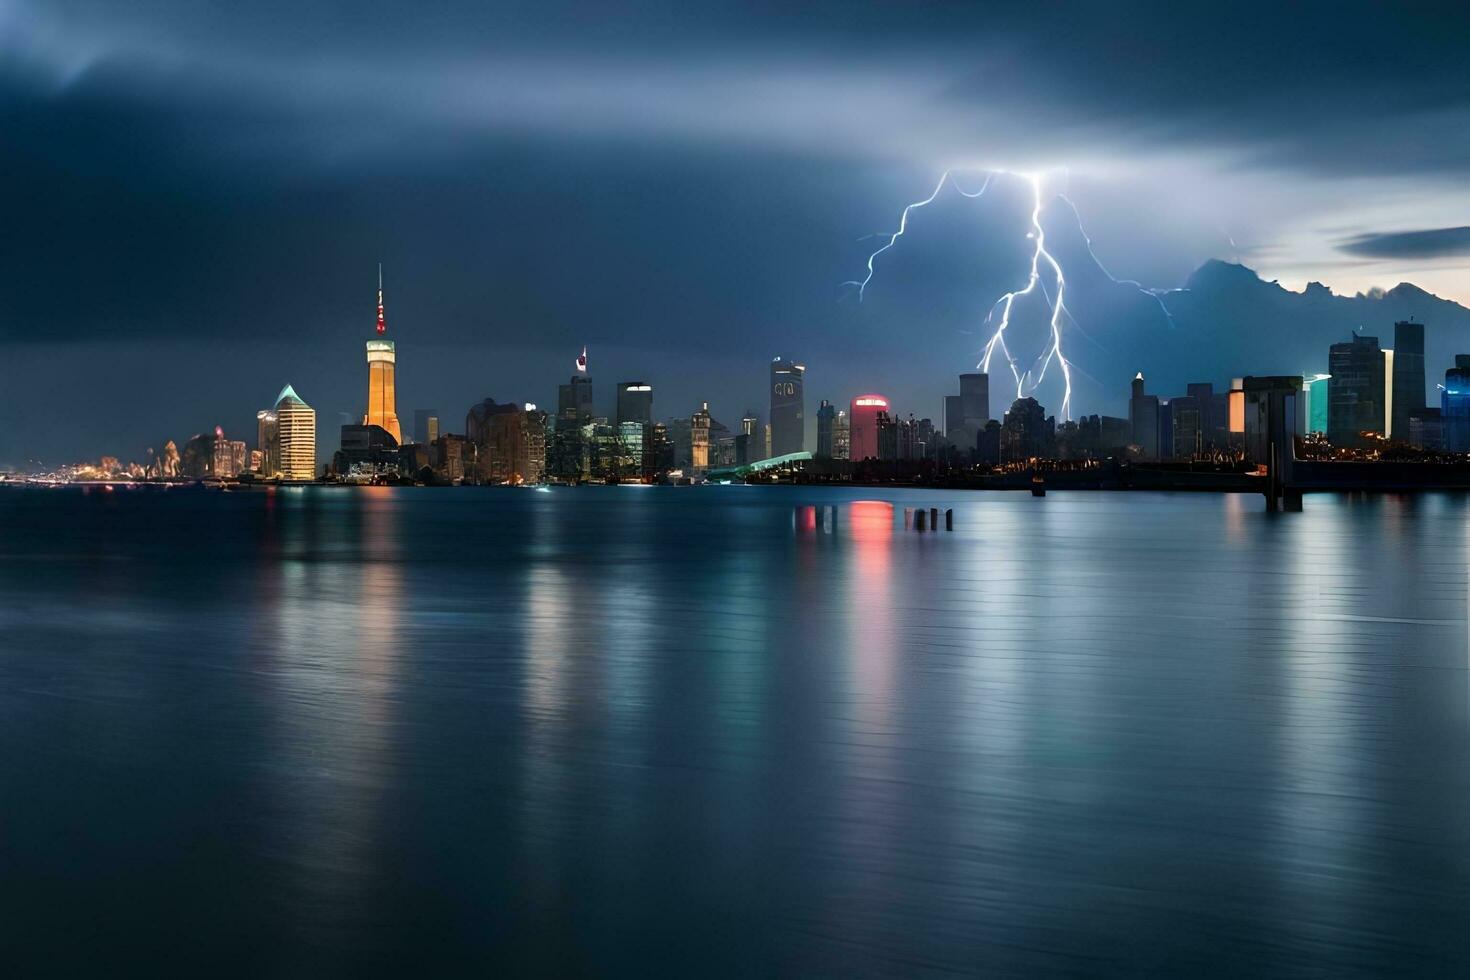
point(1224, 322)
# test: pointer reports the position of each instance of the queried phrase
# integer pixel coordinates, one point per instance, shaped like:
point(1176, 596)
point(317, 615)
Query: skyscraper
point(382, 395)
point(826, 414)
point(975, 399)
point(699, 428)
point(1408, 375)
point(1454, 406)
point(266, 442)
point(841, 436)
point(1143, 419)
point(295, 436)
point(788, 420)
point(1355, 390)
point(635, 402)
point(863, 422)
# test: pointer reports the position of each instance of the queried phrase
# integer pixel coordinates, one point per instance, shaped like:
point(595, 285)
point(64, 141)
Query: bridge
point(760, 465)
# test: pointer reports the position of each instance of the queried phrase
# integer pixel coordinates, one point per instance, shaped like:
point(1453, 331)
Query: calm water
point(727, 731)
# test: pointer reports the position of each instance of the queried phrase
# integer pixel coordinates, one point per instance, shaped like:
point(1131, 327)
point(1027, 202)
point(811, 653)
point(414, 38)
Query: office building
point(266, 444)
point(1187, 430)
point(1454, 406)
point(886, 427)
point(1356, 390)
point(863, 426)
point(366, 453)
point(1024, 431)
point(788, 418)
point(841, 436)
point(1426, 429)
point(1314, 394)
point(635, 403)
point(699, 431)
point(826, 414)
point(975, 399)
point(1143, 419)
point(1271, 418)
point(1407, 375)
point(509, 443)
point(295, 436)
point(574, 399)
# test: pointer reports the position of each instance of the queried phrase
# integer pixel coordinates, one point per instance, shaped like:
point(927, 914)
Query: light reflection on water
point(735, 731)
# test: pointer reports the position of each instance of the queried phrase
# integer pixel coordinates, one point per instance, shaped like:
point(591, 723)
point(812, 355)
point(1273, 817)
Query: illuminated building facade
point(863, 425)
point(699, 429)
point(841, 436)
point(788, 418)
point(1454, 406)
point(382, 396)
point(1314, 393)
point(295, 437)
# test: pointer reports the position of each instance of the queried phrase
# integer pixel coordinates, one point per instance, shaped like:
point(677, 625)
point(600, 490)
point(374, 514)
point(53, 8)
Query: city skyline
point(634, 194)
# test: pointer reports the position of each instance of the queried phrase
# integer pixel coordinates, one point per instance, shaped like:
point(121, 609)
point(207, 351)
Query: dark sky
point(195, 195)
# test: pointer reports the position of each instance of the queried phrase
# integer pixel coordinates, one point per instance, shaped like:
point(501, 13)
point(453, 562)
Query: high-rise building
point(509, 443)
point(635, 403)
point(266, 443)
point(1356, 391)
point(841, 436)
point(382, 365)
point(1454, 406)
point(826, 413)
point(295, 436)
point(1271, 417)
point(1314, 393)
point(788, 419)
point(423, 420)
point(1408, 376)
point(574, 399)
point(699, 429)
point(975, 398)
point(1186, 419)
point(1023, 433)
point(887, 428)
point(1143, 418)
point(863, 420)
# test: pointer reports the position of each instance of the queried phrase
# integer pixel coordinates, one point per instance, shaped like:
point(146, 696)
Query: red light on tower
point(382, 320)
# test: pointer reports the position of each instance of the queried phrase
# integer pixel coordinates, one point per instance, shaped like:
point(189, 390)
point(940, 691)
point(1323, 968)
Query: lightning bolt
point(1042, 261)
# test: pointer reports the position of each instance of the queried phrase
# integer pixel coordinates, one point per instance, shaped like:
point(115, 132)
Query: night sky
point(195, 196)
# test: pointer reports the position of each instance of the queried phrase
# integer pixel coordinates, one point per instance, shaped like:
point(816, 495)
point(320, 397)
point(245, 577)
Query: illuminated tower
point(295, 437)
point(863, 426)
point(788, 420)
point(382, 397)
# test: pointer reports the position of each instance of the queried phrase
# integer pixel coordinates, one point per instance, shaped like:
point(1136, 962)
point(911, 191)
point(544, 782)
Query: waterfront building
point(886, 429)
point(658, 452)
point(1314, 394)
point(1426, 429)
point(1211, 420)
point(635, 403)
point(295, 436)
point(1187, 436)
point(863, 426)
point(987, 443)
point(788, 418)
point(1407, 376)
point(266, 443)
point(1023, 432)
point(509, 443)
point(449, 457)
point(632, 443)
point(1454, 406)
point(1271, 417)
point(826, 414)
point(1355, 391)
point(699, 428)
point(841, 436)
point(425, 425)
point(365, 453)
point(1143, 419)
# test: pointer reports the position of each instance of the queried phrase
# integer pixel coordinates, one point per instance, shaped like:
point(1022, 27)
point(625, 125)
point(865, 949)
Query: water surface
point(731, 731)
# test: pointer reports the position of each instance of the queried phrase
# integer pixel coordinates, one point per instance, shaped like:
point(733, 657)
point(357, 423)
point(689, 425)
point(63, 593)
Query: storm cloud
point(1430, 243)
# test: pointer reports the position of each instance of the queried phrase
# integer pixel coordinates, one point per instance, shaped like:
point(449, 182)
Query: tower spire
point(382, 320)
